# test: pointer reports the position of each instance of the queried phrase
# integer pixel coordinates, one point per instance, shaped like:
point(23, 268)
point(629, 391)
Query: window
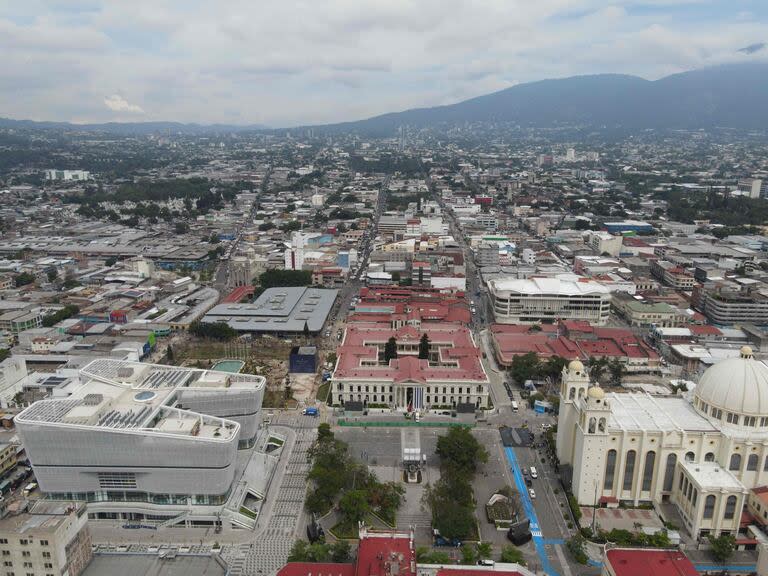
point(730, 508)
point(650, 463)
point(752, 462)
point(26, 553)
point(750, 421)
point(709, 506)
point(610, 470)
point(629, 470)
point(710, 457)
point(48, 565)
point(117, 480)
point(43, 542)
point(669, 472)
point(46, 554)
point(735, 463)
point(717, 413)
point(765, 465)
point(592, 425)
point(695, 496)
point(690, 456)
point(23, 541)
point(3, 540)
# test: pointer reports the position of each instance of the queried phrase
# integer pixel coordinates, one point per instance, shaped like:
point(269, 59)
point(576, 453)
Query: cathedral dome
point(736, 385)
point(576, 366)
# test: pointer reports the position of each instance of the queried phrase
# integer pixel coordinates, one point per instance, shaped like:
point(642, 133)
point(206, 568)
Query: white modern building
point(603, 242)
point(67, 175)
point(539, 300)
point(701, 453)
point(146, 442)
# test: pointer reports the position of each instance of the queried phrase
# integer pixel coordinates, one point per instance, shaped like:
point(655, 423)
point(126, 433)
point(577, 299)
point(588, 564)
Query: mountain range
point(733, 96)
point(729, 96)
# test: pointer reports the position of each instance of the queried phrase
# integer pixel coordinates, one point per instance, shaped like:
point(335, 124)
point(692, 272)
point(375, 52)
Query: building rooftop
point(643, 412)
point(125, 395)
point(154, 564)
point(278, 310)
point(459, 357)
point(556, 286)
point(712, 476)
point(646, 562)
point(43, 516)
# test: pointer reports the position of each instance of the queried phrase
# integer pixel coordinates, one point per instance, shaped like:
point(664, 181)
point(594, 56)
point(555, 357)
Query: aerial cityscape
point(519, 329)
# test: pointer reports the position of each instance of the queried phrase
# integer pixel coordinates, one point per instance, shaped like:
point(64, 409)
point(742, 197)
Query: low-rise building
point(50, 538)
point(451, 375)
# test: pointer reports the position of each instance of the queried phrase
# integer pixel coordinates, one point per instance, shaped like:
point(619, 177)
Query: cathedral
point(701, 452)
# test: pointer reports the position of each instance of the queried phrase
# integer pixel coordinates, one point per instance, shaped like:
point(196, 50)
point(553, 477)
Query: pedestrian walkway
point(272, 544)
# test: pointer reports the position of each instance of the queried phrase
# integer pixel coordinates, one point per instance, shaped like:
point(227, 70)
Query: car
point(327, 333)
point(528, 481)
point(311, 411)
point(534, 474)
point(486, 562)
point(532, 493)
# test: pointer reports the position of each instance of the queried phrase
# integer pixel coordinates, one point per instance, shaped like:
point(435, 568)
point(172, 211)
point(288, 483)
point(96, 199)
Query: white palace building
point(702, 453)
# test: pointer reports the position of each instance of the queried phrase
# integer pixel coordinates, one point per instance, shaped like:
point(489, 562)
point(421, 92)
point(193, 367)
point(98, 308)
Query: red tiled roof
point(458, 352)
point(643, 562)
point(376, 556)
point(316, 569)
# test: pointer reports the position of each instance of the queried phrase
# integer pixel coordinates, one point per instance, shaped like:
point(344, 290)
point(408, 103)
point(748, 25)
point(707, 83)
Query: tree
point(213, 330)
point(424, 347)
point(354, 506)
point(484, 550)
point(468, 554)
point(512, 554)
point(524, 367)
point(23, 279)
point(459, 450)
point(55, 317)
point(597, 367)
point(214, 238)
point(722, 547)
point(52, 274)
point(341, 551)
point(616, 371)
point(390, 350)
point(169, 354)
point(181, 228)
point(324, 432)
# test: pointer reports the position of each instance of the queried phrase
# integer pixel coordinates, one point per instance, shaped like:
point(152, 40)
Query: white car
point(532, 494)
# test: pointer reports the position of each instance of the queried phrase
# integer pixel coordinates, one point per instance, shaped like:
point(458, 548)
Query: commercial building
point(278, 311)
point(641, 312)
point(728, 303)
point(547, 300)
point(701, 452)
point(145, 441)
point(672, 275)
point(604, 243)
point(452, 375)
point(628, 226)
point(50, 538)
point(67, 175)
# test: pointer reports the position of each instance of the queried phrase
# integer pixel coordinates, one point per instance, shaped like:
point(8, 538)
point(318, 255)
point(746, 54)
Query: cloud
point(291, 62)
point(117, 103)
point(752, 48)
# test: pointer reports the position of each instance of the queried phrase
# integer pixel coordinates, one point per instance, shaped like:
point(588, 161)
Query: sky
point(295, 62)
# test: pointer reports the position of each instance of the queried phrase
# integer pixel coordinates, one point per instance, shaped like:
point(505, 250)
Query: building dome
point(596, 392)
point(736, 385)
point(576, 366)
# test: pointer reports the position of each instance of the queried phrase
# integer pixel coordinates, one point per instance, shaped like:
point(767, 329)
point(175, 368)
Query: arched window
point(710, 457)
point(752, 462)
point(669, 472)
point(572, 394)
point(690, 456)
point(709, 506)
point(735, 462)
point(592, 425)
point(650, 463)
point(610, 470)
point(629, 470)
point(765, 465)
point(695, 496)
point(690, 492)
point(730, 508)
point(601, 425)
